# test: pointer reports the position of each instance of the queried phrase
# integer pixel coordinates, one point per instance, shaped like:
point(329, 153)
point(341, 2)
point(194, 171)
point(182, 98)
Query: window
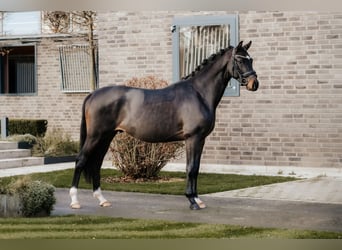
point(21, 23)
point(77, 67)
point(17, 70)
point(196, 38)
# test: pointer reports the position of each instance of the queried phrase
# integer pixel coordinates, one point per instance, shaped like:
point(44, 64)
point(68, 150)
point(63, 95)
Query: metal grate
point(195, 38)
point(25, 80)
point(198, 43)
point(76, 68)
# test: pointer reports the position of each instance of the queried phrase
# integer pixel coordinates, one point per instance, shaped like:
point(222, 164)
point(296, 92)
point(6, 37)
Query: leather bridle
point(242, 76)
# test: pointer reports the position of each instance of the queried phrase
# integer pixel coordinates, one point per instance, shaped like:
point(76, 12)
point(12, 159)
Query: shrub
point(36, 197)
point(137, 159)
point(142, 160)
point(26, 138)
point(27, 126)
point(55, 143)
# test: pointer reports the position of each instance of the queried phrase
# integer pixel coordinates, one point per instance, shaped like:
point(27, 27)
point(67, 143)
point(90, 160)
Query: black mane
point(206, 62)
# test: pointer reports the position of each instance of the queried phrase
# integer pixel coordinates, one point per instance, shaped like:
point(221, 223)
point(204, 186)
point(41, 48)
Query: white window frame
point(233, 88)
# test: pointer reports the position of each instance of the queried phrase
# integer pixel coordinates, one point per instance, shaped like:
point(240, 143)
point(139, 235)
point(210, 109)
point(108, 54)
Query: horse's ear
point(246, 47)
point(239, 46)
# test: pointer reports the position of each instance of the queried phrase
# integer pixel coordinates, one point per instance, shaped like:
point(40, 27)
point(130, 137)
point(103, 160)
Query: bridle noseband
point(242, 76)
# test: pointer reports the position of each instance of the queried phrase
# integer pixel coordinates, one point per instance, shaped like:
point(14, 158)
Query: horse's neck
point(211, 86)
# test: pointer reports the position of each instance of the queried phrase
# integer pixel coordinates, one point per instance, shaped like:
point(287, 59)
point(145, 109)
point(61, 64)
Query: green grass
point(93, 227)
point(207, 183)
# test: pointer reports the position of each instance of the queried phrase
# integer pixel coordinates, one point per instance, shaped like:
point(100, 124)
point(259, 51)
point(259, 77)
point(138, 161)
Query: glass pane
point(18, 70)
point(22, 23)
point(198, 43)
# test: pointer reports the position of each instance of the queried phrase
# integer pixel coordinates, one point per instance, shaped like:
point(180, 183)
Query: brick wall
point(60, 109)
point(293, 119)
point(134, 44)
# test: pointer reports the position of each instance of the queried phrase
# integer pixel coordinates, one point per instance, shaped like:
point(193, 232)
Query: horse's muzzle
point(253, 84)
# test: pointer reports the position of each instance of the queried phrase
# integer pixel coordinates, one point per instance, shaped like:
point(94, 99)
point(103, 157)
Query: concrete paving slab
point(43, 168)
point(292, 171)
point(318, 190)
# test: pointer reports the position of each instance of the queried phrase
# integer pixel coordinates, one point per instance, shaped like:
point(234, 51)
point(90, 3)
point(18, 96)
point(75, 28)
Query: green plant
point(141, 160)
point(36, 197)
point(4, 185)
point(55, 143)
point(138, 159)
point(112, 181)
point(27, 126)
point(28, 138)
point(100, 227)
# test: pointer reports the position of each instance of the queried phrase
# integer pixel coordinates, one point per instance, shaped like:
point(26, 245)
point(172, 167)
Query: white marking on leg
point(102, 200)
point(200, 203)
point(74, 201)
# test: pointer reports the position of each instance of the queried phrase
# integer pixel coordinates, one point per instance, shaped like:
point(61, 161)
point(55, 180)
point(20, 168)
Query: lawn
point(93, 227)
point(207, 183)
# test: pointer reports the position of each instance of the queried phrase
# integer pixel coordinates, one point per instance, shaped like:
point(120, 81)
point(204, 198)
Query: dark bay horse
point(182, 111)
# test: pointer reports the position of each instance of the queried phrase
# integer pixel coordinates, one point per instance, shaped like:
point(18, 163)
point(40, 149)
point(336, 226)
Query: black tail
point(87, 171)
point(83, 130)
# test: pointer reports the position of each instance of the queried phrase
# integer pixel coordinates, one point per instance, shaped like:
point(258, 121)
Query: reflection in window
point(195, 38)
point(17, 70)
point(198, 42)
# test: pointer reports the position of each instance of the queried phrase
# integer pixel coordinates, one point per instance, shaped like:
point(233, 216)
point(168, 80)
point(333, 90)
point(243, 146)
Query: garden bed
point(59, 159)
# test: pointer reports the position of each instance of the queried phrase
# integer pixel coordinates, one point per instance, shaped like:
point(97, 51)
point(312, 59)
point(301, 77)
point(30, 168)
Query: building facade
point(32, 85)
point(294, 119)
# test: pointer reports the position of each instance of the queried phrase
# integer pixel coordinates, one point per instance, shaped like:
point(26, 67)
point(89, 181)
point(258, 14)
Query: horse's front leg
point(194, 147)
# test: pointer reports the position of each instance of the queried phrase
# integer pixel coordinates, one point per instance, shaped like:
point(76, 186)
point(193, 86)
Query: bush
point(55, 143)
point(27, 126)
point(142, 160)
point(26, 138)
point(36, 197)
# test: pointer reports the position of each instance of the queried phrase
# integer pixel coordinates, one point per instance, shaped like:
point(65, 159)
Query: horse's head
point(241, 67)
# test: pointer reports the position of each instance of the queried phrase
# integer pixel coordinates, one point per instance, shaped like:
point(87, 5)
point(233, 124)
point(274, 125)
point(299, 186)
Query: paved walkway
point(311, 203)
point(327, 190)
point(220, 210)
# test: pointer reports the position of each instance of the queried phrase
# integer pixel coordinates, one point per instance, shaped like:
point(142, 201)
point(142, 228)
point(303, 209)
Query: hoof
point(105, 204)
point(194, 207)
point(200, 203)
point(75, 205)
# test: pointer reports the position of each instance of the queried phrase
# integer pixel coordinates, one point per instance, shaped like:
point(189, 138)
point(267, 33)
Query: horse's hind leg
point(75, 204)
point(82, 161)
point(99, 154)
point(97, 192)
point(90, 160)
